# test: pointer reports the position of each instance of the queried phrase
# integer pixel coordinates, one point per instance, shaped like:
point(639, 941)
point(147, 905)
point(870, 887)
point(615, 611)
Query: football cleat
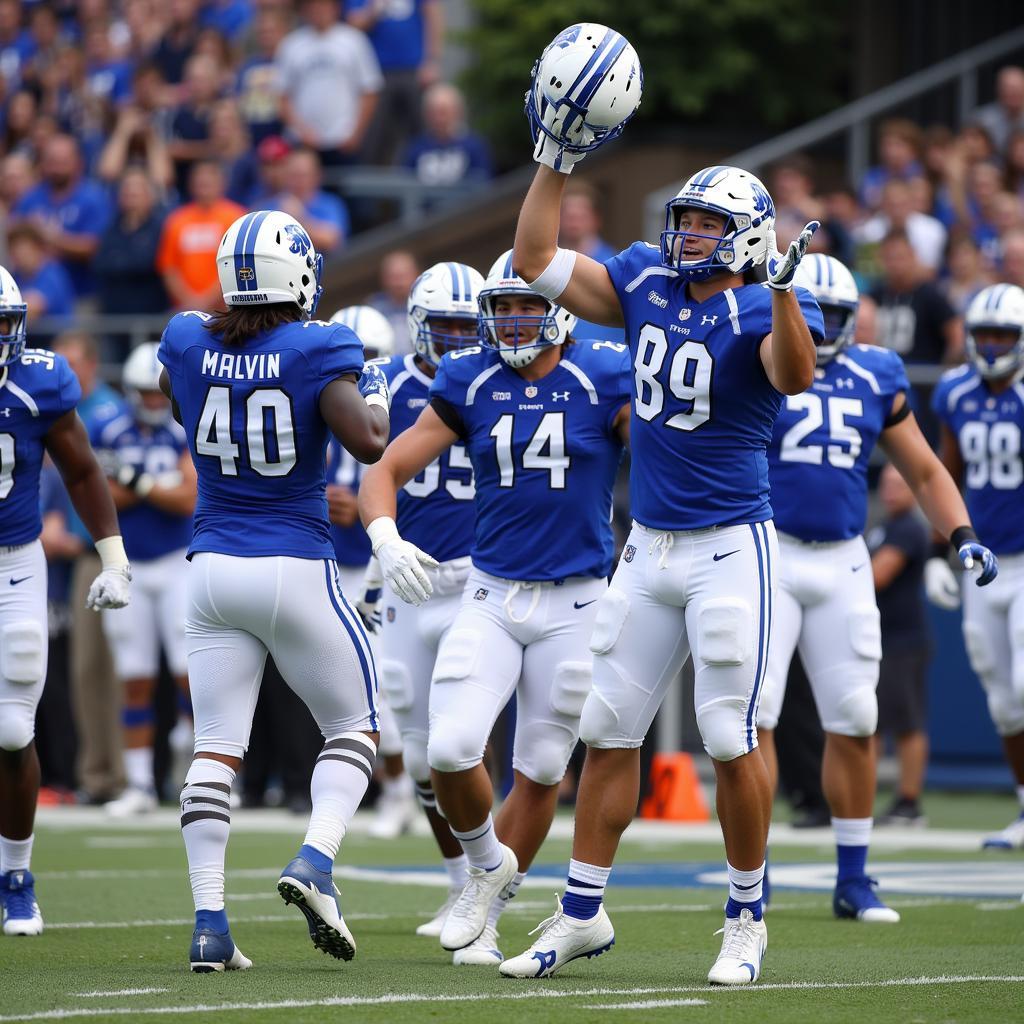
point(21, 914)
point(467, 918)
point(483, 952)
point(315, 894)
point(395, 815)
point(215, 952)
point(562, 939)
point(432, 928)
point(855, 898)
point(744, 942)
point(1011, 837)
point(132, 802)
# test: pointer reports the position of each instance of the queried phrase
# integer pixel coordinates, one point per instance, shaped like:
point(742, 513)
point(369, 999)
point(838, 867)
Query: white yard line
point(645, 1004)
point(121, 992)
point(523, 994)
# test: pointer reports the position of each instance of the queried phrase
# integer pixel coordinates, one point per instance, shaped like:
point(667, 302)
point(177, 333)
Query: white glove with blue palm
point(373, 386)
point(974, 555)
point(782, 267)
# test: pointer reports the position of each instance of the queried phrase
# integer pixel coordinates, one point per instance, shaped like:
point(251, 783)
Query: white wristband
point(380, 531)
point(112, 553)
point(377, 399)
point(556, 275)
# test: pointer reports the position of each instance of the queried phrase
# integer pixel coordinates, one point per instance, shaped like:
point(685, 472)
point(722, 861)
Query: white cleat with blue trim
point(562, 940)
point(483, 952)
point(1011, 837)
point(467, 919)
point(743, 946)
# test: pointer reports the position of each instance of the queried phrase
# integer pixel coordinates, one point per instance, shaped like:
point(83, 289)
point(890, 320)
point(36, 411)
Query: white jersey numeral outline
point(689, 379)
point(841, 433)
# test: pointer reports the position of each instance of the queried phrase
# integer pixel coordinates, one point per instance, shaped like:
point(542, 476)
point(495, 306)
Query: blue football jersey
point(544, 456)
point(435, 509)
point(988, 429)
point(823, 439)
point(703, 407)
point(351, 545)
point(149, 532)
point(251, 415)
point(40, 388)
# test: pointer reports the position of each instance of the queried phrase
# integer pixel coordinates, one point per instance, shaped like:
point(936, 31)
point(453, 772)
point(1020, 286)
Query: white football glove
point(781, 268)
point(941, 584)
point(369, 602)
point(401, 563)
point(547, 150)
point(110, 589)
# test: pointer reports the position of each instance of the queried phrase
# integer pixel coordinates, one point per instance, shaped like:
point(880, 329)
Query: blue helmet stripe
point(508, 266)
point(611, 56)
point(707, 177)
point(581, 78)
point(828, 266)
point(456, 286)
point(467, 284)
point(247, 220)
point(245, 249)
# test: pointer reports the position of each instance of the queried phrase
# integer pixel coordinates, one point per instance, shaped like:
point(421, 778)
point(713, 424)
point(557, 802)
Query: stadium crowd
point(134, 133)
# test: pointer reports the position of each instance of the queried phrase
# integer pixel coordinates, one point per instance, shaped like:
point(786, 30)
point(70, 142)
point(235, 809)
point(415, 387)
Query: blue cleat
point(855, 899)
point(315, 894)
point(215, 952)
point(21, 914)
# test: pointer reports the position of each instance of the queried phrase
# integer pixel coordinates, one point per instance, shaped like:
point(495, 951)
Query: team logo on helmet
point(301, 243)
point(246, 273)
point(567, 36)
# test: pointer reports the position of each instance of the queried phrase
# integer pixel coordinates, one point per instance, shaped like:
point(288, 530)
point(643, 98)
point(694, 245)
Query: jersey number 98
point(689, 379)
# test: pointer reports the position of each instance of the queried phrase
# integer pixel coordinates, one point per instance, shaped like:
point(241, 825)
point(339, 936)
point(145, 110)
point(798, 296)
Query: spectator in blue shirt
point(108, 80)
point(900, 143)
point(407, 36)
point(178, 41)
point(257, 85)
point(229, 17)
point(190, 125)
point(71, 211)
point(16, 45)
point(322, 214)
point(447, 153)
point(44, 283)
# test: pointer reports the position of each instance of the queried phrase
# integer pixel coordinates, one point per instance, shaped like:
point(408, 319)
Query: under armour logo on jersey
point(562, 396)
point(531, 392)
point(659, 300)
point(844, 382)
point(685, 314)
point(629, 552)
point(5, 412)
point(705, 319)
point(481, 594)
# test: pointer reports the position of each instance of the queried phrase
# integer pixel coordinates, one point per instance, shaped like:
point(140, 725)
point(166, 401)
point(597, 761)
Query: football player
point(38, 395)
point(258, 390)
point(825, 604)
point(434, 510)
point(153, 483)
point(396, 806)
point(981, 409)
point(543, 420)
point(711, 358)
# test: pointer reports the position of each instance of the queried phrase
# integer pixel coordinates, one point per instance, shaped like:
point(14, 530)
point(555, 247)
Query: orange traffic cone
point(675, 791)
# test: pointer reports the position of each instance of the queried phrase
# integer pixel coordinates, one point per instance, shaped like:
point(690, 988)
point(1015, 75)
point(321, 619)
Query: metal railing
point(855, 118)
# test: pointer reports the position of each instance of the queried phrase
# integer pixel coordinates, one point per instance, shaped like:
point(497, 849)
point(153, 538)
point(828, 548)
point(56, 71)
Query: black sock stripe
point(221, 787)
point(469, 838)
point(205, 800)
point(348, 760)
point(364, 747)
point(187, 819)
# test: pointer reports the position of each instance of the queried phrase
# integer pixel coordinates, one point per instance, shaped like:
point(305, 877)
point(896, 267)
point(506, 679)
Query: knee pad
point(548, 752)
point(725, 631)
point(454, 746)
point(866, 632)
point(23, 653)
point(979, 653)
point(856, 713)
point(457, 656)
point(396, 683)
point(1007, 712)
point(612, 610)
point(723, 727)
point(17, 726)
point(599, 722)
point(572, 681)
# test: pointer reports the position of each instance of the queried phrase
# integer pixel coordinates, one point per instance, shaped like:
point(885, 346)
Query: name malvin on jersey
point(241, 366)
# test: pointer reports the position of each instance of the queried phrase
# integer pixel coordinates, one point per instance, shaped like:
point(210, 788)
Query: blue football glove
point(373, 386)
point(781, 268)
point(972, 553)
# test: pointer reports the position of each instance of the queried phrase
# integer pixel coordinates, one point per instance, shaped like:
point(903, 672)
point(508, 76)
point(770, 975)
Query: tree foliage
point(750, 64)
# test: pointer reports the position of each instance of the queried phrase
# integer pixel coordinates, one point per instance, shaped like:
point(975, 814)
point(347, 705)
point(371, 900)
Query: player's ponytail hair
point(238, 324)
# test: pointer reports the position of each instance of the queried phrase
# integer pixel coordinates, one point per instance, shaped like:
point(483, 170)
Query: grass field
point(118, 914)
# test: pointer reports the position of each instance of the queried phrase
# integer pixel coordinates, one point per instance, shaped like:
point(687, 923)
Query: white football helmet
point(833, 286)
point(1000, 307)
point(373, 329)
point(13, 308)
point(445, 291)
point(141, 372)
point(267, 257)
point(591, 76)
point(536, 332)
point(749, 215)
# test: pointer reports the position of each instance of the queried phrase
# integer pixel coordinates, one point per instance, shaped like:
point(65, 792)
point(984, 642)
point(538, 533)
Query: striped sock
point(481, 845)
point(205, 824)
point(425, 795)
point(340, 777)
point(745, 892)
point(584, 889)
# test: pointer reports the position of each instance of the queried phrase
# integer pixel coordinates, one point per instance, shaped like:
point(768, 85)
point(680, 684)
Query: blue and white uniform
point(436, 513)
point(39, 390)
point(155, 542)
point(263, 576)
point(698, 571)
point(825, 605)
point(988, 429)
point(544, 455)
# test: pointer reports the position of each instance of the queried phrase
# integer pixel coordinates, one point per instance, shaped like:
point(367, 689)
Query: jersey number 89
point(689, 379)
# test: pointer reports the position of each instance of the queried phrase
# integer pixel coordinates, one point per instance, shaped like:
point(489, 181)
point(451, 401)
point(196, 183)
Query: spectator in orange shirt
point(188, 246)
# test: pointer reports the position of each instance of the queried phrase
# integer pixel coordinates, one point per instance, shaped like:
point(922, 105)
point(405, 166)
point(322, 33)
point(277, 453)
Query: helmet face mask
point(444, 334)
point(836, 292)
point(442, 311)
point(995, 332)
point(840, 323)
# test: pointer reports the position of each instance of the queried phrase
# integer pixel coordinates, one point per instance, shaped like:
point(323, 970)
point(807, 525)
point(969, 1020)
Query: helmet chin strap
point(518, 358)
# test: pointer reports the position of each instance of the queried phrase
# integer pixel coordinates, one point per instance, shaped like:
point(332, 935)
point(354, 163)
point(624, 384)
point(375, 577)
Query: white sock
point(15, 854)
point(746, 886)
point(1020, 796)
point(398, 788)
point(138, 768)
point(456, 868)
point(852, 831)
point(342, 772)
point(506, 894)
point(481, 845)
point(205, 825)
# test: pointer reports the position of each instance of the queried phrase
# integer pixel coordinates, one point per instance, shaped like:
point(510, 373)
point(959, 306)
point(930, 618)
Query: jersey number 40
point(269, 431)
